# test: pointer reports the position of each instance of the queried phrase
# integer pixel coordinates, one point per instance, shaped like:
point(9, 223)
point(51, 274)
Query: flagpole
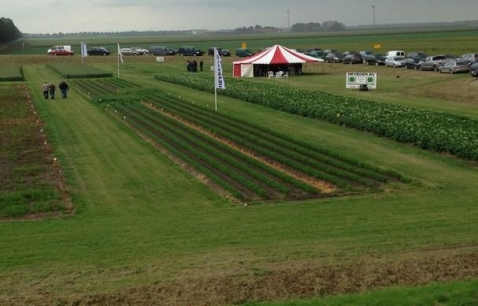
point(215, 98)
point(118, 59)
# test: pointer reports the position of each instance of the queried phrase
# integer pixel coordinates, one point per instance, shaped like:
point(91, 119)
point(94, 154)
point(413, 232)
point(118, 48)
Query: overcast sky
point(67, 16)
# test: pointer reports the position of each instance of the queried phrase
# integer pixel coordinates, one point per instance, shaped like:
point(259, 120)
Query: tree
point(8, 31)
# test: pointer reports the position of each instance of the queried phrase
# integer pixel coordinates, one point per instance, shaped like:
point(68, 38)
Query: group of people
point(192, 66)
point(49, 90)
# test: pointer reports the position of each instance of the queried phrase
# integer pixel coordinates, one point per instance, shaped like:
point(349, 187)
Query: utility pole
point(288, 19)
point(373, 12)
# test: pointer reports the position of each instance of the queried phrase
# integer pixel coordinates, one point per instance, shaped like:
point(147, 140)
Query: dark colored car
point(474, 69)
point(241, 52)
point(327, 51)
point(376, 59)
point(221, 51)
point(161, 50)
point(190, 51)
point(417, 54)
point(98, 51)
point(316, 53)
point(333, 58)
point(413, 62)
point(366, 54)
point(352, 58)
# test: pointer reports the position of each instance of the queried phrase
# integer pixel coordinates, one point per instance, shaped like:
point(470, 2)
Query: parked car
point(376, 59)
point(141, 51)
point(395, 61)
point(98, 51)
point(474, 69)
point(327, 51)
point(313, 49)
point(366, 54)
point(244, 52)
point(333, 58)
point(470, 57)
point(161, 50)
point(433, 62)
point(60, 50)
point(128, 51)
point(417, 54)
point(413, 62)
point(457, 66)
point(316, 53)
point(353, 58)
point(347, 53)
point(190, 51)
point(221, 51)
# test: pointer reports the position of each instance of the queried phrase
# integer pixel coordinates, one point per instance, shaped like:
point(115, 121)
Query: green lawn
point(142, 220)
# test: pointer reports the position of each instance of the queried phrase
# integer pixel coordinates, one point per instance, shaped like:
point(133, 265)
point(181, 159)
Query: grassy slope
point(141, 219)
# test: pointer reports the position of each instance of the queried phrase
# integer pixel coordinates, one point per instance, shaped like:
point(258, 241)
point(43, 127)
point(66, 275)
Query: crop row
point(242, 172)
point(429, 130)
point(10, 73)
point(273, 145)
point(101, 87)
point(77, 70)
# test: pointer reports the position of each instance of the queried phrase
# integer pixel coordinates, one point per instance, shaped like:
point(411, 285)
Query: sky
point(73, 16)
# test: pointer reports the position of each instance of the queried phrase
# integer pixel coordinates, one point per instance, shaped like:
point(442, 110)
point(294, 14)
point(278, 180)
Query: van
point(243, 52)
point(395, 53)
point(190, 51)
point(161, 50)
point(60, 50)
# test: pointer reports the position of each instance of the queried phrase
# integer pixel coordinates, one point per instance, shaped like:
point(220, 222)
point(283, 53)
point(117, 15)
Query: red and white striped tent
point(276, 55)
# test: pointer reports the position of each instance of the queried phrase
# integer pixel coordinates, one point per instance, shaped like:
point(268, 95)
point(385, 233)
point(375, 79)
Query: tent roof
point(278, 55)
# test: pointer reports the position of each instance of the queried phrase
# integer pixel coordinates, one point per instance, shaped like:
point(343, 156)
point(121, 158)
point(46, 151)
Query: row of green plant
point(78, 71)
point(28, 178)
point(259, 138)
point(210, 153)
point(11, 73)
point(100, 87)
point(429, 130)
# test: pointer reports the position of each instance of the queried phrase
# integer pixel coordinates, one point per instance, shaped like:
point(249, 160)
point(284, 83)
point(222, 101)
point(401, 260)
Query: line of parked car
point(443, 63)
point(167, 51)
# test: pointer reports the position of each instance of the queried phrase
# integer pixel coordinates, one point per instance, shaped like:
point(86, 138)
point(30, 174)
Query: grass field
point(147, 232)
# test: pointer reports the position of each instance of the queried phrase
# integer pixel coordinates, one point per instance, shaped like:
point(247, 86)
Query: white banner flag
point(120, 54)
point(218, 73)
point(84, 49)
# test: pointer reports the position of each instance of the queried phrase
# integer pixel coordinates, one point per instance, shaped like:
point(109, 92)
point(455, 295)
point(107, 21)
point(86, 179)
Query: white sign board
point(159, 59)
point(355, 79)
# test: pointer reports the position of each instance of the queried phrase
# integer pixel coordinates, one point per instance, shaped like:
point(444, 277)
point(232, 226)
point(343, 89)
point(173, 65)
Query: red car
point(60, 50)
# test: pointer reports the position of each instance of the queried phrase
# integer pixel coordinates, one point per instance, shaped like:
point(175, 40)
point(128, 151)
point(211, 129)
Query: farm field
point(148, 229)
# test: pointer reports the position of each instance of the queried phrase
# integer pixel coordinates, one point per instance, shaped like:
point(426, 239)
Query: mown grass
point(142, 220)
point(455, 294)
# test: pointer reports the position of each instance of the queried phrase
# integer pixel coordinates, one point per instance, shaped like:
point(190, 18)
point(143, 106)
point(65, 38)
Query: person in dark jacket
point(64, 89)
point(52, 89)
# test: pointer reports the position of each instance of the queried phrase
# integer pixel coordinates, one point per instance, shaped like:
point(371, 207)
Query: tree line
point(8, 31)
point(298, 27)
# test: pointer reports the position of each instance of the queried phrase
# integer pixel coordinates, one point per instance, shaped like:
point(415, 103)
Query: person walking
point(45, 87)
point(64, 89)
point(52, 90)
point(201, 65)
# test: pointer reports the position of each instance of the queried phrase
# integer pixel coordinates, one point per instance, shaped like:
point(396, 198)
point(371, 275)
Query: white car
point(128, 51)
point(395, 61)
point(140, 50)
